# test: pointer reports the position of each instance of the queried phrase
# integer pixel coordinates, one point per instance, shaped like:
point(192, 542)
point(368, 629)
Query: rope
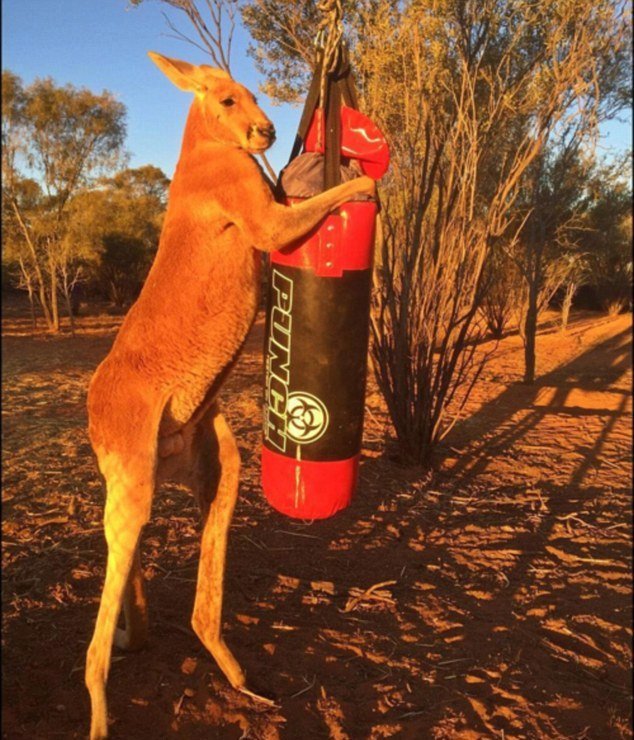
point(328, 45)
point(330, 31)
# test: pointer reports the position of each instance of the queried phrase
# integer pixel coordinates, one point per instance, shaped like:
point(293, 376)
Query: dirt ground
point(507, 612)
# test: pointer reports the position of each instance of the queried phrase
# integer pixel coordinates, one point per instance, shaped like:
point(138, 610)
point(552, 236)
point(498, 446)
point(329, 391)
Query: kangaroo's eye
point(227, 102)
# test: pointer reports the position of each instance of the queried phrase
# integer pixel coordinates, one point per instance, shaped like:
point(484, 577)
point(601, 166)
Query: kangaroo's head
point(230, 112)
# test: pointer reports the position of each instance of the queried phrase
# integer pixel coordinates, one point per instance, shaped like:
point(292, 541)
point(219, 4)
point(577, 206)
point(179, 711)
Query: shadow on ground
point(504, 609)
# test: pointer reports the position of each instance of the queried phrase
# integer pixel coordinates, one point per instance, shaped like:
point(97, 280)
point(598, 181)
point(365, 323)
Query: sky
point(103, 44)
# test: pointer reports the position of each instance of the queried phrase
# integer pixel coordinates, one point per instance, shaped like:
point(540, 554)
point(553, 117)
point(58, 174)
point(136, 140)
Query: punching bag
point(317, 319)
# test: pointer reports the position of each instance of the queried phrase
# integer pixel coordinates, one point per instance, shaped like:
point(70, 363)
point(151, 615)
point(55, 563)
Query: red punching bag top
point(361, 139)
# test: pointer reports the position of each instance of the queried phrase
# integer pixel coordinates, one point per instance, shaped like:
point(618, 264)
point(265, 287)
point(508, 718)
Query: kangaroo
point(152, 403)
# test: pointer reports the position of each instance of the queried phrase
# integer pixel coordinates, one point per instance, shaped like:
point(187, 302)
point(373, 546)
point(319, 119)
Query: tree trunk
point(32, 307)
point(27, 282)
point(69, 309)
point(571, 289)
point(535, 277)
point(530, 333)
point(67, 290)
point(41, 296)
point(54, 325)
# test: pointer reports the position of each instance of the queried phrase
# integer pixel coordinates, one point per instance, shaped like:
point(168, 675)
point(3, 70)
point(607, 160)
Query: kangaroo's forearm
point(287, 224)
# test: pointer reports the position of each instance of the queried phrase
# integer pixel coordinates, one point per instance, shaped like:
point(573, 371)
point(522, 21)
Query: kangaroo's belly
point(185, 332)
point(203, 368)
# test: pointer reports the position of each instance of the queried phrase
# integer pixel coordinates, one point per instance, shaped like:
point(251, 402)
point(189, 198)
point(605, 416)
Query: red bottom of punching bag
point(308, 490)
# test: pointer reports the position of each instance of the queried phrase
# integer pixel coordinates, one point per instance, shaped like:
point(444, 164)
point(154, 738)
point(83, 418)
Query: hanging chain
point(328, 45)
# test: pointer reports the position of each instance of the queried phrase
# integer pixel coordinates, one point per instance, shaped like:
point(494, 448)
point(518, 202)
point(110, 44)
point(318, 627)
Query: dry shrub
point(469, 95)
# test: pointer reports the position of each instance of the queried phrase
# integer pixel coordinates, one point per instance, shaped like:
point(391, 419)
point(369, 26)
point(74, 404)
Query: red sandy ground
point(508, 615)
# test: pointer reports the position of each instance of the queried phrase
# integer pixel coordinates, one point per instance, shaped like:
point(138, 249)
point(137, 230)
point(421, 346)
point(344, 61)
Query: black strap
point(349, 91)
point(307, 114)
point(339, 87)
point(332, 139)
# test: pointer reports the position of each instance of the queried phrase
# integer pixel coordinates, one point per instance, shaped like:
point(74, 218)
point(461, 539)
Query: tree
point(283, 48)
point(502, 283)
point(607, 235)
point(555, 199)
point(284, 35)
point(124, 263)
point(65, 137)
point(14, 257)
point(116, 226)
point(468, 95)
point(577, 274)
point(147, 182)
point(213, 27)
point(19, 193)
point(550, 206)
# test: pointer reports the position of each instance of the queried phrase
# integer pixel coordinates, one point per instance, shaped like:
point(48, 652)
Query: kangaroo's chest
point(209, 341)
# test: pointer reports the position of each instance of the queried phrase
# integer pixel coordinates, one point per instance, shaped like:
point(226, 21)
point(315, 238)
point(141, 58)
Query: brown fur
point(151, 402)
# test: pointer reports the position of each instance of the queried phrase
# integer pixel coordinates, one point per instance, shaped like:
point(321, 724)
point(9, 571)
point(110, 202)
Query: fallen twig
point(257, 697)
point(253, 542)
point(308, 687)
point(371, 593)
point(569, 556)
point(281, 626)
point(299, 534)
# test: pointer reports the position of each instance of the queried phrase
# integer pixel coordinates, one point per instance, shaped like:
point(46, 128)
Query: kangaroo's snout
point(267, 130)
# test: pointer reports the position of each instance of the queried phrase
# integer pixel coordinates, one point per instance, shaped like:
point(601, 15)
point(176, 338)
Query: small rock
point(188, 666)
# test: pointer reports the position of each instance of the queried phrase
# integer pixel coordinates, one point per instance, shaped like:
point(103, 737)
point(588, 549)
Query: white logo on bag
point(300, 417)
point(278, 358)
point(306, 418)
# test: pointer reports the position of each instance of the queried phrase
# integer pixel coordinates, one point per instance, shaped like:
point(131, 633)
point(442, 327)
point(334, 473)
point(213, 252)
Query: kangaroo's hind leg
point(214, 478)
point(215, 470)
point(128, 467)
point(134, 635)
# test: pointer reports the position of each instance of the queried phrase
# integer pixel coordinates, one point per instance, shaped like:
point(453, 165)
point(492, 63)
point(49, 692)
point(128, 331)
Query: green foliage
point(147, 181)
point(283, 32)
point(124, 261)
point(57, 140)
point(126, 212)
point(502, 284)
point(607, 236)
point(73, 135)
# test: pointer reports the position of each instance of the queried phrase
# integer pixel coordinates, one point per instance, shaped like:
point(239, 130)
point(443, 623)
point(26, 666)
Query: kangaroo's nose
point(267, 130)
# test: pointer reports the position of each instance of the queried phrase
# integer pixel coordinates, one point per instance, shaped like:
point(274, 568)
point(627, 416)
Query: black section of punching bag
point(316, 344)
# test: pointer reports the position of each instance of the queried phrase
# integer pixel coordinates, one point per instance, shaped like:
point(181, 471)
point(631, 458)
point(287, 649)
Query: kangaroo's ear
point(185, 76)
